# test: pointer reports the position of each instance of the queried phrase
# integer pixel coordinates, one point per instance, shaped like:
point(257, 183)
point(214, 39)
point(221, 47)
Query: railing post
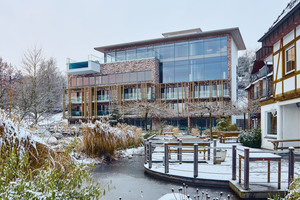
point(145, 150)
point(233, 162)
point(150, 156)
point(166, 157)
point(195, 160)
point(291, 164)
point(215, 151)
point(180, 151)
point(208, 151)
point(246, 168)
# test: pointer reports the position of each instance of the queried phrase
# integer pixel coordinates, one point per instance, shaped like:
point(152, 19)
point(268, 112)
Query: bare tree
point(7, 74)
point(42, 85)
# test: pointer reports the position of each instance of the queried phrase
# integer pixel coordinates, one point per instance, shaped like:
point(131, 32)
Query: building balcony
point(264, 52)
point(76, 114)
point(92, 65)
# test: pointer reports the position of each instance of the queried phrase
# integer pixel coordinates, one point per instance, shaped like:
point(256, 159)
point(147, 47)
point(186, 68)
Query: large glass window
point(181, 49)
point(166, 51)
point(131, 54)
point(168, 72)
point(212, 71)
point(196, 48)
point(110, 57)
point(133, 77)
point(141, 76)
point(181, 71)
point(98, 80)
point(272, 123)
point(148, 75)
point(290, 59)
point(92, 80)
point(119, 78)
point(126, 78)
point(142, 52)
point(85, 80)
point(223, 46)
point(104, 79)
point(197, 71)
point(79, 81)
point(73, 82)
point(120, 55)
point(212, 46)
point(112, 78)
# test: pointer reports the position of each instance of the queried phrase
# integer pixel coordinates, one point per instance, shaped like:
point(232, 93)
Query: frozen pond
point(131, 183)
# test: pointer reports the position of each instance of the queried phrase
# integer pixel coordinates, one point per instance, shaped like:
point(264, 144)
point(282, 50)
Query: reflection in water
point(130, 182)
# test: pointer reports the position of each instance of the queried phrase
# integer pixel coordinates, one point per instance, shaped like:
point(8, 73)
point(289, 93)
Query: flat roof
point(234, 32)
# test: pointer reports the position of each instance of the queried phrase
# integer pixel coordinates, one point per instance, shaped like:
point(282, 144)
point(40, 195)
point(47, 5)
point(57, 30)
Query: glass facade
point(196, 60)
point(112, 79)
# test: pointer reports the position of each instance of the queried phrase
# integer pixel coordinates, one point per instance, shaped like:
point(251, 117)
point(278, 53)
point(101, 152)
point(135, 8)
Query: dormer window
point(290, 60)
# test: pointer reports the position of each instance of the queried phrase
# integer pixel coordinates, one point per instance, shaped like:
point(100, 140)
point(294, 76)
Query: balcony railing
point(76, 114)
point(261, 73)
point(101, 98)
point(75, 99)
point(263, 52)
point(102, 112)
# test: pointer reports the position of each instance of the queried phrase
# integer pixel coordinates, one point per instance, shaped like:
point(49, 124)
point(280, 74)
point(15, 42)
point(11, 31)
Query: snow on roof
point(292, 4)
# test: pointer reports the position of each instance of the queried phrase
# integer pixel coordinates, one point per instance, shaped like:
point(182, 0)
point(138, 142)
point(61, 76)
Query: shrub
point(294, 190)
point(251, 138)
point(223, 124)
point(176, 131)
point(46, 183)
point(100, 137)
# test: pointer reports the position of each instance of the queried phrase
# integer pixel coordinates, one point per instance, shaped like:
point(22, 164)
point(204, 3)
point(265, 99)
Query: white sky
point(72, 28)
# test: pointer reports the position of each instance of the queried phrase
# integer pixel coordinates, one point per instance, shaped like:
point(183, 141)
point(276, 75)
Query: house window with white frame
point(290, 59)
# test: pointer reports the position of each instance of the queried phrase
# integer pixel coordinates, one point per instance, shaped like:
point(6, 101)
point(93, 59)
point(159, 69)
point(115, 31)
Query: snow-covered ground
point(223, 171)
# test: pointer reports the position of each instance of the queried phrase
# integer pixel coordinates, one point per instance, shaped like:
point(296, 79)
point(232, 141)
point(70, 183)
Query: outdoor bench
point(276, 143)
point(200, 144)
point(229, 135)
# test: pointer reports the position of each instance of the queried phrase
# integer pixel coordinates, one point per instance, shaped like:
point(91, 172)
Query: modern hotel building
point(179, 68)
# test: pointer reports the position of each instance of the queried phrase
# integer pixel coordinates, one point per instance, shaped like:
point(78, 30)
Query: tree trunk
point(146, 121)
point(210, 126)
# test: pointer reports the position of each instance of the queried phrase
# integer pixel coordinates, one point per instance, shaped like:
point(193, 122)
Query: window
point(272, 123)
point(126, 77)
point(92, 80)
point(181, 49)
point(119, 78)
point(148, 75)
point(85, 80)
point(141, 76)
point(73, 82)
point(79, 81)
point(290, 59)
point(112, 78)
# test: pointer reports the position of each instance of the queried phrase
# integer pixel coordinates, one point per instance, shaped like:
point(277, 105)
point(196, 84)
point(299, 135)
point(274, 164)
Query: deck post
point(291, 164)
point(150, 155)
point(233, 162)
point(246, 168)
point(215, 151)
point(145, 150)
point(208, 151)
point(180, 151)
point(195, 160)
point(166, 157)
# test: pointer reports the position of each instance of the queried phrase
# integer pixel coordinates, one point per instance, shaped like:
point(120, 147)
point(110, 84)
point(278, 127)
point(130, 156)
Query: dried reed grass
point(176, 131)
point(100, 137)
point(195, 131)
point(15, 135)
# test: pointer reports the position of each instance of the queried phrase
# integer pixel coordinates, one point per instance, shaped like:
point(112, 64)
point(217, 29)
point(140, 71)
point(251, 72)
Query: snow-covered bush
point(195, 131)
point(251, 138)
point(100, 137)
point(29, 169)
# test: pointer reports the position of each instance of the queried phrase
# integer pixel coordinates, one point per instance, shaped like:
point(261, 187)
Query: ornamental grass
point(100, 137)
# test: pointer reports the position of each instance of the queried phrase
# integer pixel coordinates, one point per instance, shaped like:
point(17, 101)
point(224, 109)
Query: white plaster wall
point(278, 88)
point(276, 46)
point(288, 37)
point(289, 84)
point(298, 31)
point(298, 82)
point(298, 55)
point(291, 122)
point(276, 65)
point(265, 137)
point(234, 62)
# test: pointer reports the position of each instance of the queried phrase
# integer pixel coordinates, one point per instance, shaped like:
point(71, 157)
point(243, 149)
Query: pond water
point(129, 181)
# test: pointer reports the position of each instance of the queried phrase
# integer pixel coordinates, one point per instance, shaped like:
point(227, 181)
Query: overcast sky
point(72, 28)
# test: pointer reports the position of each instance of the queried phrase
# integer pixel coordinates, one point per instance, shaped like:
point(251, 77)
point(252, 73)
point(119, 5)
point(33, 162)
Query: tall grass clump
point(100, 137)
point(29, 169)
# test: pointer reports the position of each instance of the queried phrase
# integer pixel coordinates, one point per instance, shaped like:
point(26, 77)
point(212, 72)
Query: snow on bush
point(100, 137)
point(251, 138)
point(29, 169)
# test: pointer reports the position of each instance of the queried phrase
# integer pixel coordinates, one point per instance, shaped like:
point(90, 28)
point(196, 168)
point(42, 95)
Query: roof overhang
point(234, 32)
